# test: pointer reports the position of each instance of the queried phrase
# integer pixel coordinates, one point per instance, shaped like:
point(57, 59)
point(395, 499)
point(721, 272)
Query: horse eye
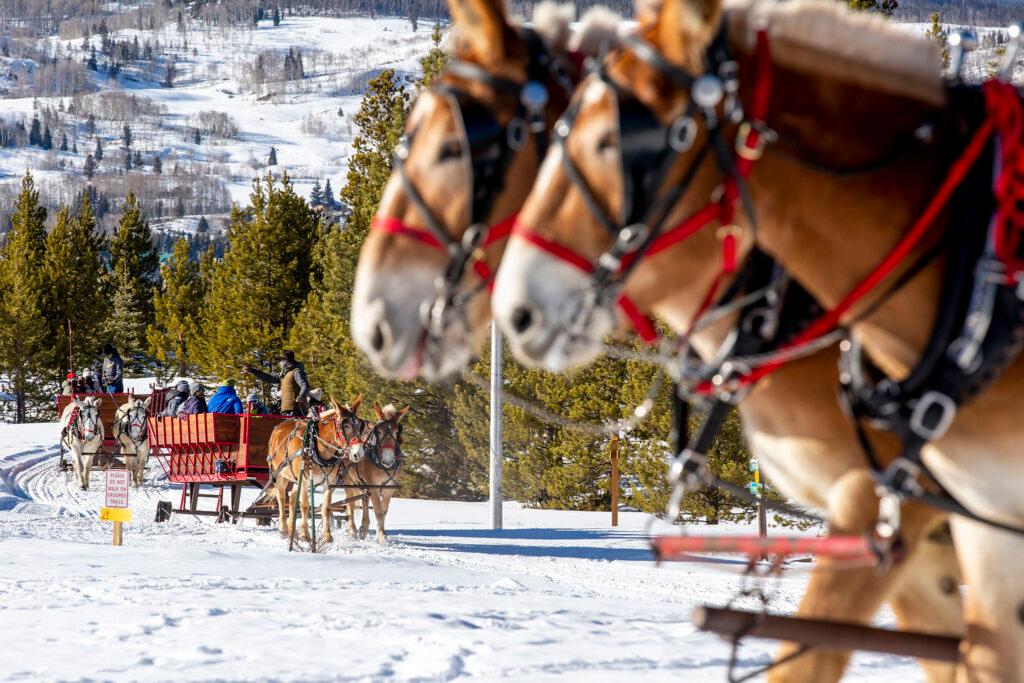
point(449, 151)
point(606, 143)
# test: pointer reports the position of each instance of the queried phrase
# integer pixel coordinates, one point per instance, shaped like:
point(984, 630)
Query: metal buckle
point(746, 131)
point(682, 133)
point(517, 133)
point(631, 237)
point(946, 405)
point(610, 262)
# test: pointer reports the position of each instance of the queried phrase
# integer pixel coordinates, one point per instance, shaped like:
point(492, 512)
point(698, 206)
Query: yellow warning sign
point(116, 514)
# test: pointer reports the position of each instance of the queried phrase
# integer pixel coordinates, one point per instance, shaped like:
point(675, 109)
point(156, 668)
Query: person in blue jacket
point(225, 400)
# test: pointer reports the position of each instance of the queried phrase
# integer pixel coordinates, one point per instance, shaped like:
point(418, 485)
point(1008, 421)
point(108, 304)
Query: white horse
point(81, 433)
point(131, 431)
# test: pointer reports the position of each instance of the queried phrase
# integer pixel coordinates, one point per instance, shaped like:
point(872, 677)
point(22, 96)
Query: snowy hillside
point(209, 104)
point(554, 595)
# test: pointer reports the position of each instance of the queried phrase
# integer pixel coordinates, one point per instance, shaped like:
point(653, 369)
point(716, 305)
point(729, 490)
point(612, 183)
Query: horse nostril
point(522, 319)
point(377, 339)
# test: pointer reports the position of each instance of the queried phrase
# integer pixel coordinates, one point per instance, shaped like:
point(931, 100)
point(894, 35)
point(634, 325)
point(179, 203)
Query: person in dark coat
point(292, 381)
point(178, 396)
point(225, 400)
point(112, 379)
point(196, 401)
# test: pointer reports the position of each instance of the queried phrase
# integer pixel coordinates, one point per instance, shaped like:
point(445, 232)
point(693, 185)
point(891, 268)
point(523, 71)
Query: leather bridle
point(650, 152)
point(487, 149)
point(136, 427)
point(388, 427)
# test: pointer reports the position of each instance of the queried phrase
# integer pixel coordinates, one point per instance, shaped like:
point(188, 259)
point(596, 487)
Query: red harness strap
point(749, 145)
point(498, 231)
point(1001, 98)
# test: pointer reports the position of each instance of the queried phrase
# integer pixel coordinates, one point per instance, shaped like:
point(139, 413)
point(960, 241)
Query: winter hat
point(253, 398)
point(87, 373)
point(108, 349)
point(287, 356)
point(228, 383)
point(195, 387)
point(316, 394)
point(182, 386)
point(71, 375)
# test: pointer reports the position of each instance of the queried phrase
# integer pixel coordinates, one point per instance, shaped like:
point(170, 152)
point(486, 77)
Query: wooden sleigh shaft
point(851, 548)
point(826, 635)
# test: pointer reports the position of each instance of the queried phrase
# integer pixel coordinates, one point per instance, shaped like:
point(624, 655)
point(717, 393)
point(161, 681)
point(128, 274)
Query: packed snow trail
point(554, 595)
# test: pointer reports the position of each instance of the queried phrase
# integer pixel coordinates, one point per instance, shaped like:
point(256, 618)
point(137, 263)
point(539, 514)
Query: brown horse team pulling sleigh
point(286, 459)
point(787, 186)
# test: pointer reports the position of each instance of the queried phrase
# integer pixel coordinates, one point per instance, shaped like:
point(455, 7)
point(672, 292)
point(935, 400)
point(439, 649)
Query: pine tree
point(158, 166)
point(90, 166)
point(197, 138)
point(435, 60)
point(63, 142)
point(126, 136)
point(47, 140)
point(133, 264)
point(98, 154)
point(176, 306)
point(127, 160)
point(203, 225)
point(883, 7)
point(940, 36)
point(316, 195)
point(272, 158)
point(327, 197)
point(262, 281)
point(91, 63)
point(25, 328)
point(137, 159)
point(277, 16)
point(35, 134)
point(73, 274)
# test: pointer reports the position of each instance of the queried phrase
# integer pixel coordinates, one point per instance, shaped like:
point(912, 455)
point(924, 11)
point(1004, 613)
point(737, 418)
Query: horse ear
point(685, 28)
point(402, 412)
point(78, 401)
point(378, 411)
point(334, 405)
point(356, 403)
point(96, 400)
point(145, 404)
point(481, 28)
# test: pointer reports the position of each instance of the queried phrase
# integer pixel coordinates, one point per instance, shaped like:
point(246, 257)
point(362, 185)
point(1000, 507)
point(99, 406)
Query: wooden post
point(117, 533)
point(615, 479)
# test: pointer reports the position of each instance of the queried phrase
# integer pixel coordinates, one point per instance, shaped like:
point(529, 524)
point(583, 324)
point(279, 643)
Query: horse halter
point(136, 428)
point(80, 419)
point(491, 148)
point(389, 427)
point(350, 429)
point(649, 153)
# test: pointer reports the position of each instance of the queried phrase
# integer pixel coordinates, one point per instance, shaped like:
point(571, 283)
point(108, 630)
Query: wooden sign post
point(615, 479)
point(115, 503)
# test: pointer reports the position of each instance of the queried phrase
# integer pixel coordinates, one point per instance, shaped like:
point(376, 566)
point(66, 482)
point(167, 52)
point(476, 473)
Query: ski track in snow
point(553, 595)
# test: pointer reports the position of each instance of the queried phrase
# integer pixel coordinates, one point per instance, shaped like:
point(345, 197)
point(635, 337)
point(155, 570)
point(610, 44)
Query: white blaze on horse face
point(534, 297)
point(355, 452)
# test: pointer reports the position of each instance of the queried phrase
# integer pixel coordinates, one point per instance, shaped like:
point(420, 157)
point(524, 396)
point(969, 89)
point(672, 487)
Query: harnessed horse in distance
point(315, 452)
point(378, 470)
point(595, 250)
point(473, 144)
point(81, 432)
point(131, 431)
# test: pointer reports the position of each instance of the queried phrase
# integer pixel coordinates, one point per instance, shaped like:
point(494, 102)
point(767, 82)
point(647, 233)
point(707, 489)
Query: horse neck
point(829, 231)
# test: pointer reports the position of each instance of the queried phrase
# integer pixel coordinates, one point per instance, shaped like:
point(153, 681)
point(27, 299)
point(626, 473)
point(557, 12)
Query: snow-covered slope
point(554, 595)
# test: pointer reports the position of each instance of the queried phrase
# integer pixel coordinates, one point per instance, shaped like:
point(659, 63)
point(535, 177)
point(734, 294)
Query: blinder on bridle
point(351, 428)
point(487, 149)
point(649, 150)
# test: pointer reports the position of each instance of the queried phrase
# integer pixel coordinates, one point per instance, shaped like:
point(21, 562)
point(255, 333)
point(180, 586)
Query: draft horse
point(314, 452)
point(131, 431)
point(81, 433)
point(611, 231)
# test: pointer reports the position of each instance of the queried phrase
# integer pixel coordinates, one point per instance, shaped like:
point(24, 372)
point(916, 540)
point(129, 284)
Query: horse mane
point(824, 36)
point(389, 411)
point(553, 23)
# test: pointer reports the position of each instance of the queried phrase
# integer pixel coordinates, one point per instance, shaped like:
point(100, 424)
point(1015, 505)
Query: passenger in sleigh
point(195, 404)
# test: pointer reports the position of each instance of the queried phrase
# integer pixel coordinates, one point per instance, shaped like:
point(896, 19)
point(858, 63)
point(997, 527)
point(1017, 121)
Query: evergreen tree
point(126, 136)
point(262, 282)
point(883, 7)
point(176, 306)
point(435, 60)
point(327, 197)
point(196, 137)
point(47, 140)
point(272, 159)
point(25, 328)
point(35, 134)
point(316, 195)
point(133, 263)
point(90, 166)
point(73, 274)
point(74, 147)
point(98, 154)
point(203, 226)
point(137, 159)
point(63, 142)
point(91, 63)
point(277, 16)
point(127, 160)
point(158, 166)
point(940, 36)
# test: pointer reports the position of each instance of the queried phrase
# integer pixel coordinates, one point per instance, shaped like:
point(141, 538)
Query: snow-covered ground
point(553, 595)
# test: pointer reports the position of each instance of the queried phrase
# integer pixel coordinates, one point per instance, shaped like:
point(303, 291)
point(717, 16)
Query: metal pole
point(495, 448)
point(615, 479)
